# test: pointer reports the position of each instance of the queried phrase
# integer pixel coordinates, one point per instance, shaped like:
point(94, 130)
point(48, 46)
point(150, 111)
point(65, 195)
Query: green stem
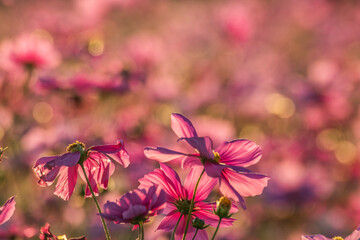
point(217, 228)
point(192, 205)
point(28, 79)
point(173, 233)
point(141, 230)
point(195, 234)
point(97, 204)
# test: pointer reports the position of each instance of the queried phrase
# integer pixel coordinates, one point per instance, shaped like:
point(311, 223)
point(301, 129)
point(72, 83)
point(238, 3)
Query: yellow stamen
point(76, 147)
point(62, 237)
point(338, 238)
point(216, 156)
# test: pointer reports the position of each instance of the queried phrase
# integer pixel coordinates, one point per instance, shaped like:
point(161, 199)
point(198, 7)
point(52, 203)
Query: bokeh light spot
point(96, 46)
point(42, 112)
point(279, 105)
point(345, 152)
point(328, 139)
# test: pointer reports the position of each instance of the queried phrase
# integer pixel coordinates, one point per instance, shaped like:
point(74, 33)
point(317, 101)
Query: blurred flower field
point(282, 74)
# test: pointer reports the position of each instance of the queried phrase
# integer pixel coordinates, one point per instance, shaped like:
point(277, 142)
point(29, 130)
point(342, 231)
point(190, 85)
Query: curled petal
point(66, 182)
point(67, 159)
point(203, 145)
point(115, 152)
point(240, 152)
point(7, 210)
point(182, 126)
point(162, 154)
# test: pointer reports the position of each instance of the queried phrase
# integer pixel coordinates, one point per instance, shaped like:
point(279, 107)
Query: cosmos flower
point(179, 197)
point(28, 52)
point(7, 210)
point(45, 234)
point(227, 162)
point(96, 162)
point(355, 235)
point(135, 206)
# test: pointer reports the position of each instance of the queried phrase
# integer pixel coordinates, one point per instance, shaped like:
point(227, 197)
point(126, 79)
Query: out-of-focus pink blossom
point(227, 162)
point(135, 206)
point(28, 51)
point(96, 161)
point(7, 210)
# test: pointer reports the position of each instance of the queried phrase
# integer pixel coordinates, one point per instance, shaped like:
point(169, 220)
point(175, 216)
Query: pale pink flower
point(28, 51)
point(96, 161)
point(355, 235)
point(7, 210)
point(135, 206)
point(179, 197)
point(227, 162)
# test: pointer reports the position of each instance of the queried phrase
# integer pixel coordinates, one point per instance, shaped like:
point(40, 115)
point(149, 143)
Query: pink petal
point(205, 186)
point(67, 159)
point(315, 237)
point(168, 223)
point(355, 235)
point(48, 178)
point(203, 145)
point(162, 154)
point(134, 211)
point(115, 152)
point(169, 182)
point(182, 126)
point(7, 210)
point(43, 160)
point(212, 219)
point(239, 153)
point(66, 182)
point(202, 235)
point(191, 161)
point(213, 169)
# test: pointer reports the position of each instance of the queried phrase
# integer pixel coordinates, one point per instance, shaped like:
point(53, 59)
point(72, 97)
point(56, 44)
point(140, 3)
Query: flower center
point(183, 206)
point(338, 238)
point(216, 156)
point(76, 147)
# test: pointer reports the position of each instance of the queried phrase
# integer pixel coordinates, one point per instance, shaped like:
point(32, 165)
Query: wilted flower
point(227, 162)
point(355, 235)
point(96, 162)
point(135, 206)
point(7, 210)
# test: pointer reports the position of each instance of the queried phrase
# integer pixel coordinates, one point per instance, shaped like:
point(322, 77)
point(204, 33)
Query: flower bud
point(198, 223)
point(223, 206)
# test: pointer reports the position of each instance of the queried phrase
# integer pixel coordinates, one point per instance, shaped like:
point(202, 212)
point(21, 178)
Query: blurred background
point(283, 73)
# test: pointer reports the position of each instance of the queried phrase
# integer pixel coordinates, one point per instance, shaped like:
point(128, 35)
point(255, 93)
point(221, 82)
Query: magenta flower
point(135, 206)
point(7, 210)
point(227, 162)
point(96, 162)
point(355, 235)
point(179, 197)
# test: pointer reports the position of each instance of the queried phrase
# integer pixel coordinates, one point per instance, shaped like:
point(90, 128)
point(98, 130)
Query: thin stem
point(217, 228)
point(141, 230)
point(192, 205)
point(97, 204)
point(195, 234)
point(173, 233)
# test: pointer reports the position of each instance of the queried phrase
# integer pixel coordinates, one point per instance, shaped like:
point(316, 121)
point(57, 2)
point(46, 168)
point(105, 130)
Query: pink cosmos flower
point(96, 161)
point(28, 51)
point(7, 210)
point(135, 206)
point(45, 234)
point(179, 197)
point(355, 235)
point(227, 162)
